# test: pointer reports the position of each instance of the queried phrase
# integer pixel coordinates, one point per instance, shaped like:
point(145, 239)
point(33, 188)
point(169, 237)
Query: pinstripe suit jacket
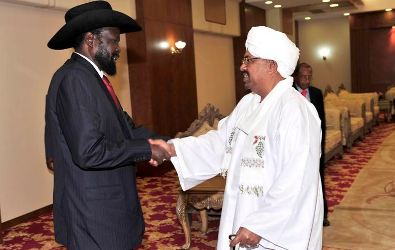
point(94, 146)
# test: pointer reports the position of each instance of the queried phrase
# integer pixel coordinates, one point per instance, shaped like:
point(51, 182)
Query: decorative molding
point(370, 46)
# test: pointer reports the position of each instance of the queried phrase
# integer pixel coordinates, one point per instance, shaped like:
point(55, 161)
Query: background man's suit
point(94, 146)
point(317, 99)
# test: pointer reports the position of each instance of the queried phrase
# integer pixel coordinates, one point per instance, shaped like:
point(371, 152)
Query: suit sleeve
point(80, 121)
point(321, 113)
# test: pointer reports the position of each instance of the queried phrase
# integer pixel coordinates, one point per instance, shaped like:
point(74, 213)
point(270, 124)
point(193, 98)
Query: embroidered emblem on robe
point(259, 142)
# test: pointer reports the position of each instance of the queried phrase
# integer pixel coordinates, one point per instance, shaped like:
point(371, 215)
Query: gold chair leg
point(204, 219)
point(182, 217)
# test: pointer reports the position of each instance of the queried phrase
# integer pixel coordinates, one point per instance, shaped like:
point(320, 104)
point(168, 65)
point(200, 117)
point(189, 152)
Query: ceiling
point(318, 9)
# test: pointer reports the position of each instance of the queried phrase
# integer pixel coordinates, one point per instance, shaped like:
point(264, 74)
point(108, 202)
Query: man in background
point(302, 77)
point(90, 141)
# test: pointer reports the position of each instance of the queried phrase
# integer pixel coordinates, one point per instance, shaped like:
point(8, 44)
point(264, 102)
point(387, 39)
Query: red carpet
point(159, 194)
point(340, 173)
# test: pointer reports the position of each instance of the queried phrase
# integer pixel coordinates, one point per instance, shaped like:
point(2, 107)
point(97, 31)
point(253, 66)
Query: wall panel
point(372, 51)
point(163, 85)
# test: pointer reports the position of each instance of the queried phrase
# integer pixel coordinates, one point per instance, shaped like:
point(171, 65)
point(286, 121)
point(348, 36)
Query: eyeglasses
point(248, 60)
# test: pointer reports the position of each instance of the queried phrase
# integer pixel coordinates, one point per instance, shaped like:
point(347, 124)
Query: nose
point(243, 67)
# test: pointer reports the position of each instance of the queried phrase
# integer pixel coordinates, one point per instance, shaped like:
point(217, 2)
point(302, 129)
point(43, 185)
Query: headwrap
point(266, 43)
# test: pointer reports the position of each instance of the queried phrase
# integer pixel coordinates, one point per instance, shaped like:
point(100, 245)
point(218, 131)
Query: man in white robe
point(268, 149)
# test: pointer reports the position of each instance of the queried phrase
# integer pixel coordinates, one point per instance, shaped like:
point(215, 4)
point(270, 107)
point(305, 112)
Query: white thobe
point(269, 150)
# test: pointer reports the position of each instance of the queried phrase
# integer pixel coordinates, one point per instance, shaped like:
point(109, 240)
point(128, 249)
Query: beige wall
point(213, 44)
point(215, 81)
point(274, 19)
point(232, 26)
point(331, 33)
point(26, 67)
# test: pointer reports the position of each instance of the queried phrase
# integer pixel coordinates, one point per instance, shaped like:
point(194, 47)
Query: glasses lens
point(245, 60)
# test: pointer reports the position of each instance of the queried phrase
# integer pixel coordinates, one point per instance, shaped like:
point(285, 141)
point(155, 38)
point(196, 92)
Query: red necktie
point(304, 92)
point(111, 90)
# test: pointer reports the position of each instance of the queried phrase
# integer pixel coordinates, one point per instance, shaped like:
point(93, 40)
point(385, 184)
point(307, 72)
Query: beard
point(246, 80)
point(106, 61)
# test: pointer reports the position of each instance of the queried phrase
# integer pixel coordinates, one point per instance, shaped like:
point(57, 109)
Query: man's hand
point(246, 238)
point(159, 155)
point(161, 151)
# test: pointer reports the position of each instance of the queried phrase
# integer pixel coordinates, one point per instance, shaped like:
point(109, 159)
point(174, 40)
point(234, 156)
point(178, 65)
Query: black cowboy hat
point(87, 17)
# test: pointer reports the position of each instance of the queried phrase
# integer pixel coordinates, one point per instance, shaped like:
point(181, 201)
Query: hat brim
point(64, 38)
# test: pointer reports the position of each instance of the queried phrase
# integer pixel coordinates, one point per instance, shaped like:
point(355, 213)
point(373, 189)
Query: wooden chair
point(207, 195)
point(204, 196)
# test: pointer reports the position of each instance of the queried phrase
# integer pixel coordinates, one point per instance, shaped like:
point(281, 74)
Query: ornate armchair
point(333, 140)
point(208, 194)
point(390, 97)
point(353, 116)
point(373, 95)
point(371, 104)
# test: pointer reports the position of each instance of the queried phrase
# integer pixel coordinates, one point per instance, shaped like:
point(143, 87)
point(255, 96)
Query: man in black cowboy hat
point(91, 142)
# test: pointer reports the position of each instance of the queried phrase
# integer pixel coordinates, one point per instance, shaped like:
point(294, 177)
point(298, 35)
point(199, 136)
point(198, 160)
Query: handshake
point(161, 151)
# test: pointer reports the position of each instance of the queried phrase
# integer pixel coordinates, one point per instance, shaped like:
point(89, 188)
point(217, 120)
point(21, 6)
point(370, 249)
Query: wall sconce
point(163, 45)
point(178, 47)
point(324, 53)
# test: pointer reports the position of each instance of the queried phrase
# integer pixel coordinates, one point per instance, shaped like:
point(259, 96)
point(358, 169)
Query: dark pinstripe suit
point(94, 146)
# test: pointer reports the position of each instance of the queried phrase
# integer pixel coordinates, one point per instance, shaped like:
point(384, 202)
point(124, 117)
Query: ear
point(273, 66)
point(89, 39)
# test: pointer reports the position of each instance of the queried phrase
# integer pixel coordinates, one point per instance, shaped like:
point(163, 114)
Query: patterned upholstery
point(333, 139)
point(390, 96)
point(371, 100)
point(353, 116)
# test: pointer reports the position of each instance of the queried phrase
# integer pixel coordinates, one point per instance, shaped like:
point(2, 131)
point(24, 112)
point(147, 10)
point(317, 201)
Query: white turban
point(266, 43)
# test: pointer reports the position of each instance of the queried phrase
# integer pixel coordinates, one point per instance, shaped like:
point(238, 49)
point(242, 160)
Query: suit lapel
point(119, 112)
point(92, 70)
